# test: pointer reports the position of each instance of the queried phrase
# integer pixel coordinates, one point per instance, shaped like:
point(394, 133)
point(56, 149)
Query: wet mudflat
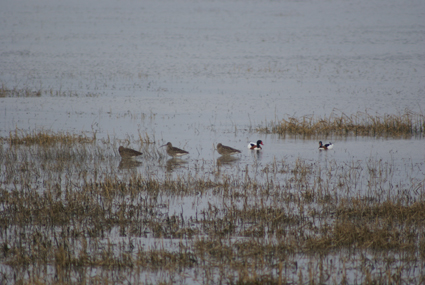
point(80, 79)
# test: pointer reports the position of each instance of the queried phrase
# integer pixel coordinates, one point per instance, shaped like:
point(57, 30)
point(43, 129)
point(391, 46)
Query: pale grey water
point(201, 72)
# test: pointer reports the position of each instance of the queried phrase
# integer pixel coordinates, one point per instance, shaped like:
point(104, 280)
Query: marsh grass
point(404, 125)
point(15, 92)
point(67, 212)
point(6, 92)
point(47, 138)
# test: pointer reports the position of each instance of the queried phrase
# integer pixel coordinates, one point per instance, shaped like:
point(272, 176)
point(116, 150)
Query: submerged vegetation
point(15, 92)
point(6, 92)
point(46, 138)
point(407, 124)
point(68, 213)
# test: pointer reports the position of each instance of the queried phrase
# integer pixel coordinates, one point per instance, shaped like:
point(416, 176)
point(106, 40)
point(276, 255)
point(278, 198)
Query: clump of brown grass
point(27, 92)
point(6, 92)
point(382, 226)
point(414, 213)
point(406, 124)
point(47, 138)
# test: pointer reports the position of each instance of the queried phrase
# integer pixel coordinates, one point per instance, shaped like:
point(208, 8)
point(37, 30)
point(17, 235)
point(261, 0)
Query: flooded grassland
point(80, 78)
point(73, 211)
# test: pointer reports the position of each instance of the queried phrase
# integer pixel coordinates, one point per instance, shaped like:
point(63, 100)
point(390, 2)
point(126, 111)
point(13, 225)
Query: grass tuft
point(403, 125)
point(46, 138)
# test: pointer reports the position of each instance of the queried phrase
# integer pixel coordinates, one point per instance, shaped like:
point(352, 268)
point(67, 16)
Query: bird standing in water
point(174, 151)
point(128, 152)
point(226, 150)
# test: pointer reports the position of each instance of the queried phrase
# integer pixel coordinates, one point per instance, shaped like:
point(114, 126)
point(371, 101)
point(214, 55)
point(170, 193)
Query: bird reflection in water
point(174, 163)
point(227, 160)
point(126, 163)
point(256, 154)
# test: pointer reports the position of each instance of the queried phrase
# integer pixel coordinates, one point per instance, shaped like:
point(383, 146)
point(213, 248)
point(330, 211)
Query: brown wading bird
point(174, 151)
point(128, 152)
point(226, 150)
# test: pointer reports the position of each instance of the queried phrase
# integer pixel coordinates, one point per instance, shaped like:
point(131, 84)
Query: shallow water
point(198, 73)
point(201, 65)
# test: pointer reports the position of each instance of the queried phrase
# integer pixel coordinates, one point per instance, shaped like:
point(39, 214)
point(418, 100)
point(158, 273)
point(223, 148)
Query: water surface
point(198, 73)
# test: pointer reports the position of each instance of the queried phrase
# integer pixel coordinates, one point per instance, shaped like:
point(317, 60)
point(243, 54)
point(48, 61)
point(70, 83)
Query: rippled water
point(197, 73)
point(206, 65)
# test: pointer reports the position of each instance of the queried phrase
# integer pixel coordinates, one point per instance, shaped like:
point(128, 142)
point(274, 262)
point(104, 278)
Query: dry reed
point(46, 138)
point(407, 124)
